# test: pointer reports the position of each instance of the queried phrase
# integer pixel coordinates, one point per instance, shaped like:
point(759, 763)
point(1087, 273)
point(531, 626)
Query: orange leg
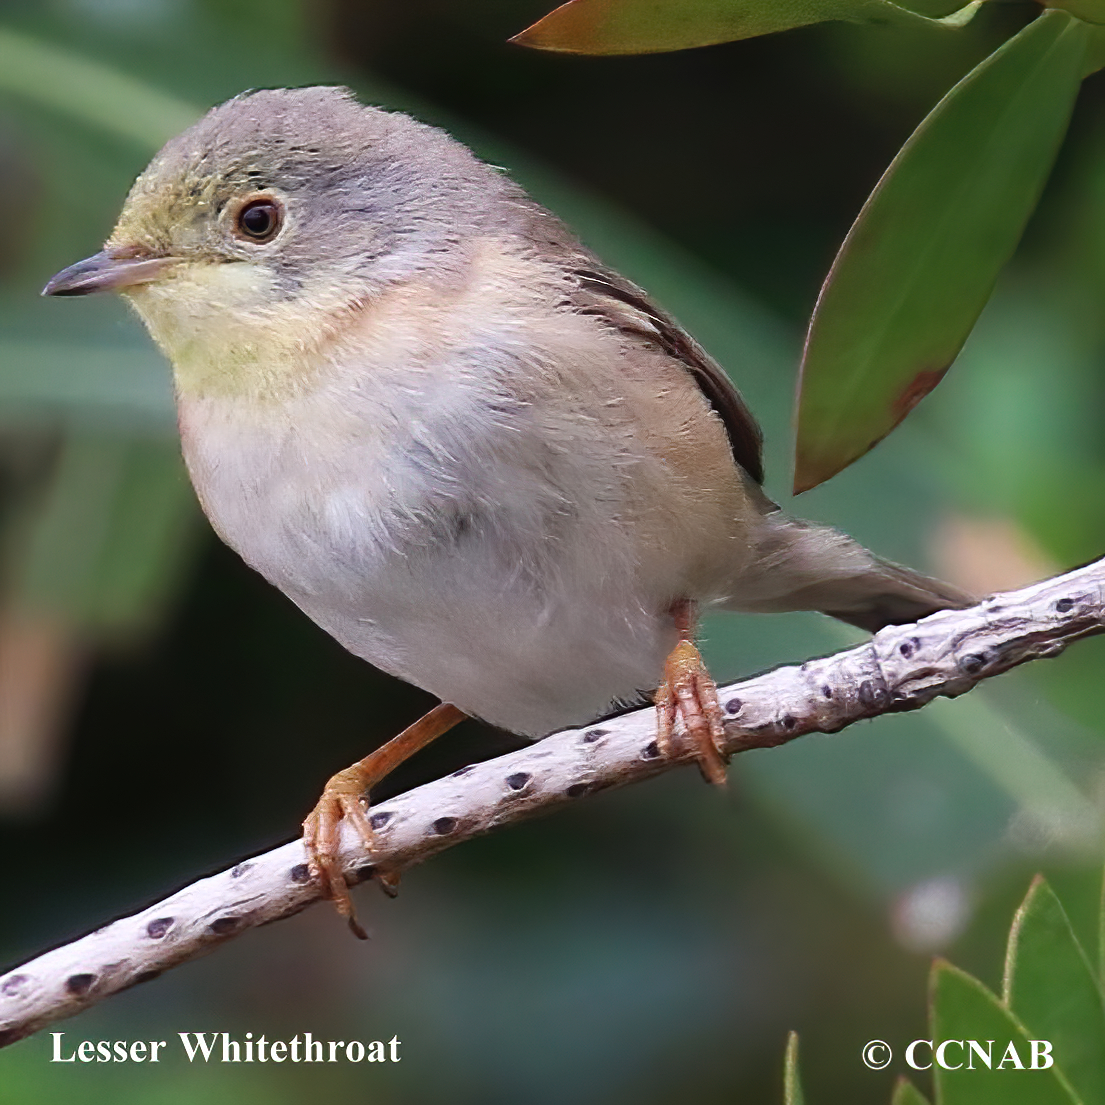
point(343, 796)
point(689, 692)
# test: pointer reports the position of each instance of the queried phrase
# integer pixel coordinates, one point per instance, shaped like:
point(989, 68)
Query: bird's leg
point(344, 797)
point(689, 692)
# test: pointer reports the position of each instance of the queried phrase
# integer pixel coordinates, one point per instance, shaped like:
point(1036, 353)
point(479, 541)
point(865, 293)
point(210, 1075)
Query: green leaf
point(906, 1093)
point(1051, 988)
point(104, 546)
point(922, 258)
point(963, 1009)
point(654, 26)
point(792, 1082)
point(89, 382)
point(95, 93)
point(1095, 51)
point(1101, 937)
point(1092, 11)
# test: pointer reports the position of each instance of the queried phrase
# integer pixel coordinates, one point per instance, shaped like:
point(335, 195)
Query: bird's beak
point(105, 272)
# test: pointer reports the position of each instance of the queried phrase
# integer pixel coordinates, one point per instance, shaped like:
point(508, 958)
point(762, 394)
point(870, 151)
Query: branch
point(900, 668)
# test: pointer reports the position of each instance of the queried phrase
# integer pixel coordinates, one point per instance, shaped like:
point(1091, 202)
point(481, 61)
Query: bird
point(479, 458)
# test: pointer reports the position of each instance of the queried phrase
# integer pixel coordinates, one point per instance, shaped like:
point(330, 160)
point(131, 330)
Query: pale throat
point(228, 333)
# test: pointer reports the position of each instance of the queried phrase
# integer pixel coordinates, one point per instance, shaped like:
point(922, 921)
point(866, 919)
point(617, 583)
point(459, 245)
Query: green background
point(648, 946)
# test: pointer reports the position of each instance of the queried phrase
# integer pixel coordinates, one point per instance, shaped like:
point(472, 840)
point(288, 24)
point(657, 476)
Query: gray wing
point(625, 307)
point(594, 289)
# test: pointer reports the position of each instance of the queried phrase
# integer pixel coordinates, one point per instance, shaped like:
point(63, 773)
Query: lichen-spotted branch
point(900, 668)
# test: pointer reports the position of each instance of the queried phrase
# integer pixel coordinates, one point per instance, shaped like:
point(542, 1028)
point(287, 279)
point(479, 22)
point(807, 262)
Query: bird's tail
point(803, 566)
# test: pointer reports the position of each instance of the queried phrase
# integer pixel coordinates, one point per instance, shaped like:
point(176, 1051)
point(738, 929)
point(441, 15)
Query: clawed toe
point(343, 799)
point(321, 837)
point(689, 692)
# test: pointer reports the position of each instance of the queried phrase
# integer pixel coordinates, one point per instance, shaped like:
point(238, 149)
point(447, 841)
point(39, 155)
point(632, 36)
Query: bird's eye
point(259, 220)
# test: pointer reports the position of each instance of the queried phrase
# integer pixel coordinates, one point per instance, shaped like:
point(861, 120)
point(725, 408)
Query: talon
point(389, 882)
point(665, 718)
point(343, 799)
point(690, 693)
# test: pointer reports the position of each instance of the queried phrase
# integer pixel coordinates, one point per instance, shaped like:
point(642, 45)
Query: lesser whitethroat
point(481, 459)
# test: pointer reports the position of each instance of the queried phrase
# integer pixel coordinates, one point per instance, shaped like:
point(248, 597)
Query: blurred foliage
point(651, 946)
point(792, 1079)
point(644, 26)
point(922, 258)
point(924, 254)
point(1050, 993)
point(99, 535)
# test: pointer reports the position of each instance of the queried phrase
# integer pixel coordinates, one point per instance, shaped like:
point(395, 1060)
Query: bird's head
point(255, 231)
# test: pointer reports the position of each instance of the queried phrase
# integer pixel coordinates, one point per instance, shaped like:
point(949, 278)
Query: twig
point(900, 668)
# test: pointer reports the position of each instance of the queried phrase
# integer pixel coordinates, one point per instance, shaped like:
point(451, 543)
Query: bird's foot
point(344, 798)
point(341, 800)
point(689, 693)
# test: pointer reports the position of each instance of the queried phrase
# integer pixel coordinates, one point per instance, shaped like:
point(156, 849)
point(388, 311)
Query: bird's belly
point(457, 622)
point(528, 662)
point(529, 623)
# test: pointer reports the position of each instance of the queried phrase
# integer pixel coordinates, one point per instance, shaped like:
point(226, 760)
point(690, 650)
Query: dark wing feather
point(625, 307)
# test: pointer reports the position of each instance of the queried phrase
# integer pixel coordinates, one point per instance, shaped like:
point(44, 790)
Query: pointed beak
point(103, 272)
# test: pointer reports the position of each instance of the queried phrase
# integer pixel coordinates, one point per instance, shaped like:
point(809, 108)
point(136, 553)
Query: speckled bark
point(901, 668)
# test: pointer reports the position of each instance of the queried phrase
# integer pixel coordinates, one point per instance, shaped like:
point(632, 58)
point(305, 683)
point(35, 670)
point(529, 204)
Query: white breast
point(462, 530)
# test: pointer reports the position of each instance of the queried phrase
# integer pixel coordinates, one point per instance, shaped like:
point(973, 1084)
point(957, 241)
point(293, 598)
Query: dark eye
point(259, 220)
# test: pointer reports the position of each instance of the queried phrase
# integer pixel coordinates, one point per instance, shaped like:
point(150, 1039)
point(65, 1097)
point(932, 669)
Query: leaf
point(106, 544)
point(655, 26)
point(93, 92)
point(1092, 11)
point(906, 1093)
point(921, 259)
point(1095, 51)
point(1051, 988)
point(89, 382)
point(963, 1009)
point(1101, 937)
point(1012, 758)
point(792, 1082)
